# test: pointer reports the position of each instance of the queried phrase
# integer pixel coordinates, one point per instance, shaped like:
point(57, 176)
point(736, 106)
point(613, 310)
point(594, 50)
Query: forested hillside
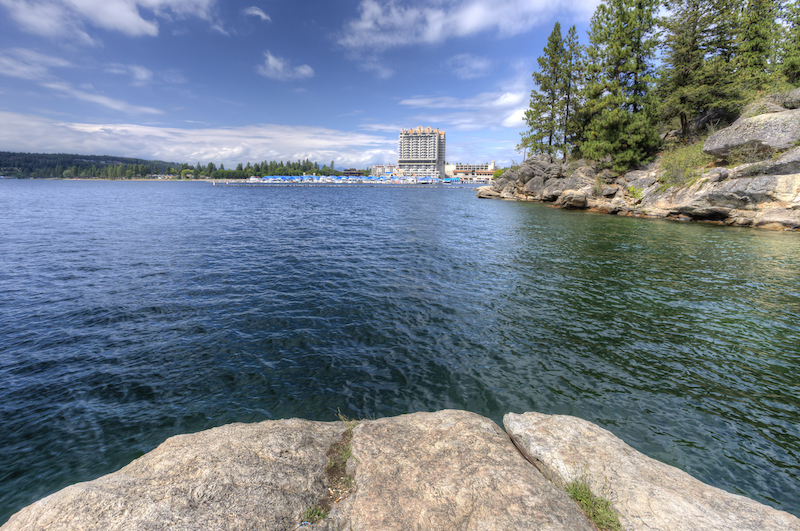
point(39, 165)
point(638, 76)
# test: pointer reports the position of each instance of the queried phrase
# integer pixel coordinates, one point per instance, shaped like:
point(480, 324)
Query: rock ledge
point(433, 471)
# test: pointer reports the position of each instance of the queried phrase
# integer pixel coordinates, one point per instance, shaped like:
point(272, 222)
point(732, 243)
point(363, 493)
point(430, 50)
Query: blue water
point(133, 311)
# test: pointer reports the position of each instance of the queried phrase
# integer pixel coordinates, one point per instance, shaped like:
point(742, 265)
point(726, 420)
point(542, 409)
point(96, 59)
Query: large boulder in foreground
point(450, 470)
point(775, 131)
point(428, 471)
point(236, 477)
point(647, 494)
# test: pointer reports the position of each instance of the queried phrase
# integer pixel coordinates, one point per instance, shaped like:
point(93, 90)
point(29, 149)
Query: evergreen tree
point(685, 40)
point(621, 122)
point(545, 113)
point(758, 25)
point(791, 44)
point(572, 84)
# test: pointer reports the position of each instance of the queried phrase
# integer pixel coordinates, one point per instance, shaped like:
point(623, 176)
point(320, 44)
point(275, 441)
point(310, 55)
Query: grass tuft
point(312, 515)
point(598, 510)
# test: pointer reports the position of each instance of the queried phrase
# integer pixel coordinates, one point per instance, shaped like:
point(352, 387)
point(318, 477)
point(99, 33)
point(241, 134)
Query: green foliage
point(635, 192)
point(682, 91)
point(748, 154)
point(498, 172)
point(791, 44)
point(756, 38)
point(313, 515)
point(596, 509)
point(681, 164)
point(619, 111)
point(551, 116)
point(546, 106)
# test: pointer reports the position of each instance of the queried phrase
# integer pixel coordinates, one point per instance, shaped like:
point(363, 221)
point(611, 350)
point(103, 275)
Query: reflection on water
point(135, 311)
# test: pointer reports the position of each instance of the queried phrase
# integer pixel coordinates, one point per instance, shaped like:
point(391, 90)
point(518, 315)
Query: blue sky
point(252, 80)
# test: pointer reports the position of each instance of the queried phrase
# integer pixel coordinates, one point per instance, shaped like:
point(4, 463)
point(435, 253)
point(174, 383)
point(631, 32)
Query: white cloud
point(29, 64)
point(489, 110)
point(139, 74)
point(69, 18)
point(228, 146)
point(105, 101)
point(278, 68)
point(34, 66)
point(468, 66)
point(257, 12)
point(384, 24)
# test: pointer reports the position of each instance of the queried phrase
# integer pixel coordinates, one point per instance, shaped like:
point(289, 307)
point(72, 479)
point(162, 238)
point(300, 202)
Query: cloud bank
point(384, 24)
point(228, 146)
point(69, 18)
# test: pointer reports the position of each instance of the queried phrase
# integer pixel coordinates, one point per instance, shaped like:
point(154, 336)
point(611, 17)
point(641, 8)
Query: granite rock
point(235, 477)
point(647, 494)
point(450, 470)
point(776, 131)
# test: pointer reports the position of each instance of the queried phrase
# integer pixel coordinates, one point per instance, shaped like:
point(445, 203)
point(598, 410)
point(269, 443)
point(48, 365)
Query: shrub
point(682, 164)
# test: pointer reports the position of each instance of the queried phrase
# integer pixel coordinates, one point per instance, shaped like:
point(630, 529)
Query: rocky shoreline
point(433, 471)
point(763, 194)
point(722, 196)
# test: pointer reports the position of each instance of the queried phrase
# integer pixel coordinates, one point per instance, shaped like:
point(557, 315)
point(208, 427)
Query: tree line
point(40, 165)
point(640, 74)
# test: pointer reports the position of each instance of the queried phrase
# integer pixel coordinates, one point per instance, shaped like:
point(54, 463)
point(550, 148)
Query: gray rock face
point(542, 166)
point(647, 494)
point(772, 131)
point(235, 477)
point(788, 100)
point(450, 470)
point(788, 163)
point(487, 192)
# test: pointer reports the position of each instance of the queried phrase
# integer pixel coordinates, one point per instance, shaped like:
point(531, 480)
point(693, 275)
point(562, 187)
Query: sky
point(201, 81)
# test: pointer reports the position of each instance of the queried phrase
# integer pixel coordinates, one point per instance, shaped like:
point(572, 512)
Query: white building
point(421, 152)
point(383, 170)
point(470, 172)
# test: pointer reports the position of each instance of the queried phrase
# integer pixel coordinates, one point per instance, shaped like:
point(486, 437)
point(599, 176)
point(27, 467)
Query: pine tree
point(685, 39)
point(756, 42)
point(544, 115)
point(572, 83)
point(619, 111)
point(791, 44)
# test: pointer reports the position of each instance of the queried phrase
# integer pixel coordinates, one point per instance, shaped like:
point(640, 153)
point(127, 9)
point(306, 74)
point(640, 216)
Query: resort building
point(421, 152)
point(470, 172)
point(383, 170)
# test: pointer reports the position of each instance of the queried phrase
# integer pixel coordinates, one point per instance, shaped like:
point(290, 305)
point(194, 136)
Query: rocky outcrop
point(764, 194)
point(450, 470)
point(239, 476)
point(434, 471)
point(765, 132)
point(646, 493)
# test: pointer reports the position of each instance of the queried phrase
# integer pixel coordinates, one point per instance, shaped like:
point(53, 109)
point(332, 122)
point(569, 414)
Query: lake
point(134, 311)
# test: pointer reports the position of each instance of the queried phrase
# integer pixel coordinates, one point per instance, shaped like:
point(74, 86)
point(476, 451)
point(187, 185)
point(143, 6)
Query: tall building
point(421, 152)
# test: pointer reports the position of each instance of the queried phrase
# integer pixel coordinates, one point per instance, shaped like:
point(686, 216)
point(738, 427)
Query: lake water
point(133, 311)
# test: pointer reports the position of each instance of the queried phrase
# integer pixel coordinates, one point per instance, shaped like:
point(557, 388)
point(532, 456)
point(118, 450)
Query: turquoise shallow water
point(133, 311)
